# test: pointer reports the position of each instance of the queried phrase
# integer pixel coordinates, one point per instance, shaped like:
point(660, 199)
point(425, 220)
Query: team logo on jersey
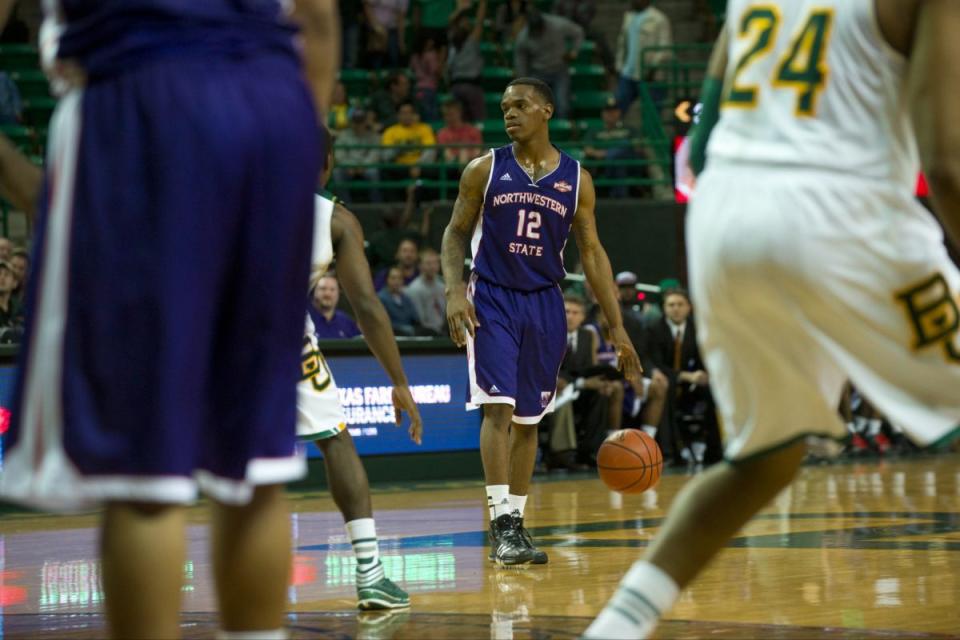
point(506, 178)
point(545, 397)
point(562, 186)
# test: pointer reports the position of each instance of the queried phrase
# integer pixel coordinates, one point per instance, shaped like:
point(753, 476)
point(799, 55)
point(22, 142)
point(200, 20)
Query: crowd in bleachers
point(421, 84)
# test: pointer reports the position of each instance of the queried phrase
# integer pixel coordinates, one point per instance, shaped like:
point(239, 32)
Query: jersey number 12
point(803, 66)
point(527, 224)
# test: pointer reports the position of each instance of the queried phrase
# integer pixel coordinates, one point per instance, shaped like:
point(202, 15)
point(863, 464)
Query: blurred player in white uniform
point(320, 418)
point(810, 260)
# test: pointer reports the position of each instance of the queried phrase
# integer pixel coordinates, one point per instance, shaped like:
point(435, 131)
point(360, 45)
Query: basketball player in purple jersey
point(165, 313)
point(518, 203)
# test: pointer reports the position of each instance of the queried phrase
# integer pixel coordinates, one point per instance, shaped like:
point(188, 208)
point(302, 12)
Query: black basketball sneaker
point(507, 544)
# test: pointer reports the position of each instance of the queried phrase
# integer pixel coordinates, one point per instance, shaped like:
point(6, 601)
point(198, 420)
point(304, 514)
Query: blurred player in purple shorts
point(165, 311)
point(518, 204)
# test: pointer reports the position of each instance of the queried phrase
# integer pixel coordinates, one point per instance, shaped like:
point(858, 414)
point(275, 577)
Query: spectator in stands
point(643, 26)
point(11, 314)
point(583, 12)
point(329, 322)
point(357, 152)
point(465, 61)
point(350, 13)
point(427, 293)
point(544, 49)
point(20, 262)
point(615, 141)
point(456, 131)
point(384, 103)
point(511, 19)
point(427, 64)
point(405, 259)
point(338, 117)
point(6, 249)
point(582, 369)
point(691, 412)
point(413, 141)
point(403, 315)
point(386, 26)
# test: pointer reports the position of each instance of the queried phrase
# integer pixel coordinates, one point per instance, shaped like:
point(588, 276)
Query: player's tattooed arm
point(20, 179)
point(934, 100)
point(319, 23)
point(461, 316)
point(596, 266)
point(354, 275)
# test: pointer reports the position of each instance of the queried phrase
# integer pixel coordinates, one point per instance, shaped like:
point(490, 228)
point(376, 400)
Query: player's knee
point(335, 443)
point(498, 416)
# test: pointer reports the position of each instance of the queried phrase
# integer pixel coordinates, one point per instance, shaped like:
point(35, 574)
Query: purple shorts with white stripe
point(166, 310)
point(516, 354)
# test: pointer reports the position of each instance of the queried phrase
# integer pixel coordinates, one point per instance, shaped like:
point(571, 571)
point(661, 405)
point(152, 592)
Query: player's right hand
point(461, 319)
point(403, 403)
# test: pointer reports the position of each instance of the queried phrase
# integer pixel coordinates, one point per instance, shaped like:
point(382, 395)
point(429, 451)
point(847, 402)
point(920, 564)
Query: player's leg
point(250, 546)
point(775, 385)
point(654, 403)
point(142, 555)
point(493, 386)
point(541, 352)
point(351, 492)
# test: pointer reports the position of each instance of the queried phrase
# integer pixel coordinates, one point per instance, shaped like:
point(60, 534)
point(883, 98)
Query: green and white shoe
point(382, 595)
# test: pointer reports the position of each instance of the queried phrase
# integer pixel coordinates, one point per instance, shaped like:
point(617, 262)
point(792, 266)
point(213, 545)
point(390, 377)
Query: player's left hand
point(627, 359)
point(403, 402)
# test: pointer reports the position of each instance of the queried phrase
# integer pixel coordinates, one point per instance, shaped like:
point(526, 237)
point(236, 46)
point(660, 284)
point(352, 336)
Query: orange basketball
point(629, 461)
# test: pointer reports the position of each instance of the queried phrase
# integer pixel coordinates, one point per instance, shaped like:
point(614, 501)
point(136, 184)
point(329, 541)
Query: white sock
point(497, 500)
point(517, 503)
point(650, 430)
point(644, 595)
point(874, 425)
point(273, 634)
point(699, 448)
point(363, 536)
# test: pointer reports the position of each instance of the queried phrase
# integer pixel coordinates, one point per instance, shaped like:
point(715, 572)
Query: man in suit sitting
point(691, 414)
point(578, 427)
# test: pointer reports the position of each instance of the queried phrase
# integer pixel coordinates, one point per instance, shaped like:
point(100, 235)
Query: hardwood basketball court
point(852, 550)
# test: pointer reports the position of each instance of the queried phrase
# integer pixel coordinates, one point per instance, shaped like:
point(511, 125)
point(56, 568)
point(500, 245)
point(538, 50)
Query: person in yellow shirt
point(414, 139)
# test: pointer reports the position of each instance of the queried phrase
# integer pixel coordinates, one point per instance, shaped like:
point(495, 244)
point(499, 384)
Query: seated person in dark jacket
point(330, 323)
point(580, 368)
point(691, 411)
point(399, 306)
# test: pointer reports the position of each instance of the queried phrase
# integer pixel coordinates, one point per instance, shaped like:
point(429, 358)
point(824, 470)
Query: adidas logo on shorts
point(505, 177)
point(494, 389)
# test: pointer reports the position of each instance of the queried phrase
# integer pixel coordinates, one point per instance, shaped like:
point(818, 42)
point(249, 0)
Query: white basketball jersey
point(813, 84)
point(322, 239)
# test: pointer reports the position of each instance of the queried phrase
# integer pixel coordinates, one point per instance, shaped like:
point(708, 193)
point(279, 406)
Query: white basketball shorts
point(802, 280)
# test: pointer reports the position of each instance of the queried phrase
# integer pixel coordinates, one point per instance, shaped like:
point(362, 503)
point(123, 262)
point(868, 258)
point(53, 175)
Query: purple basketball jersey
point(518, 242)
point(108, 36)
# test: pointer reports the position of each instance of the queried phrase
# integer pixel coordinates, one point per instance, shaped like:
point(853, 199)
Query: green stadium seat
point(356, 81)
point(493, 132)
point(497, 54)
point(562, 131)
point(588, 104)
point(587, 77)
point(18, 57)
point(37, 111)
point(586, 53)
point(32, 84)
point(586, 125)
point(495, 78)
